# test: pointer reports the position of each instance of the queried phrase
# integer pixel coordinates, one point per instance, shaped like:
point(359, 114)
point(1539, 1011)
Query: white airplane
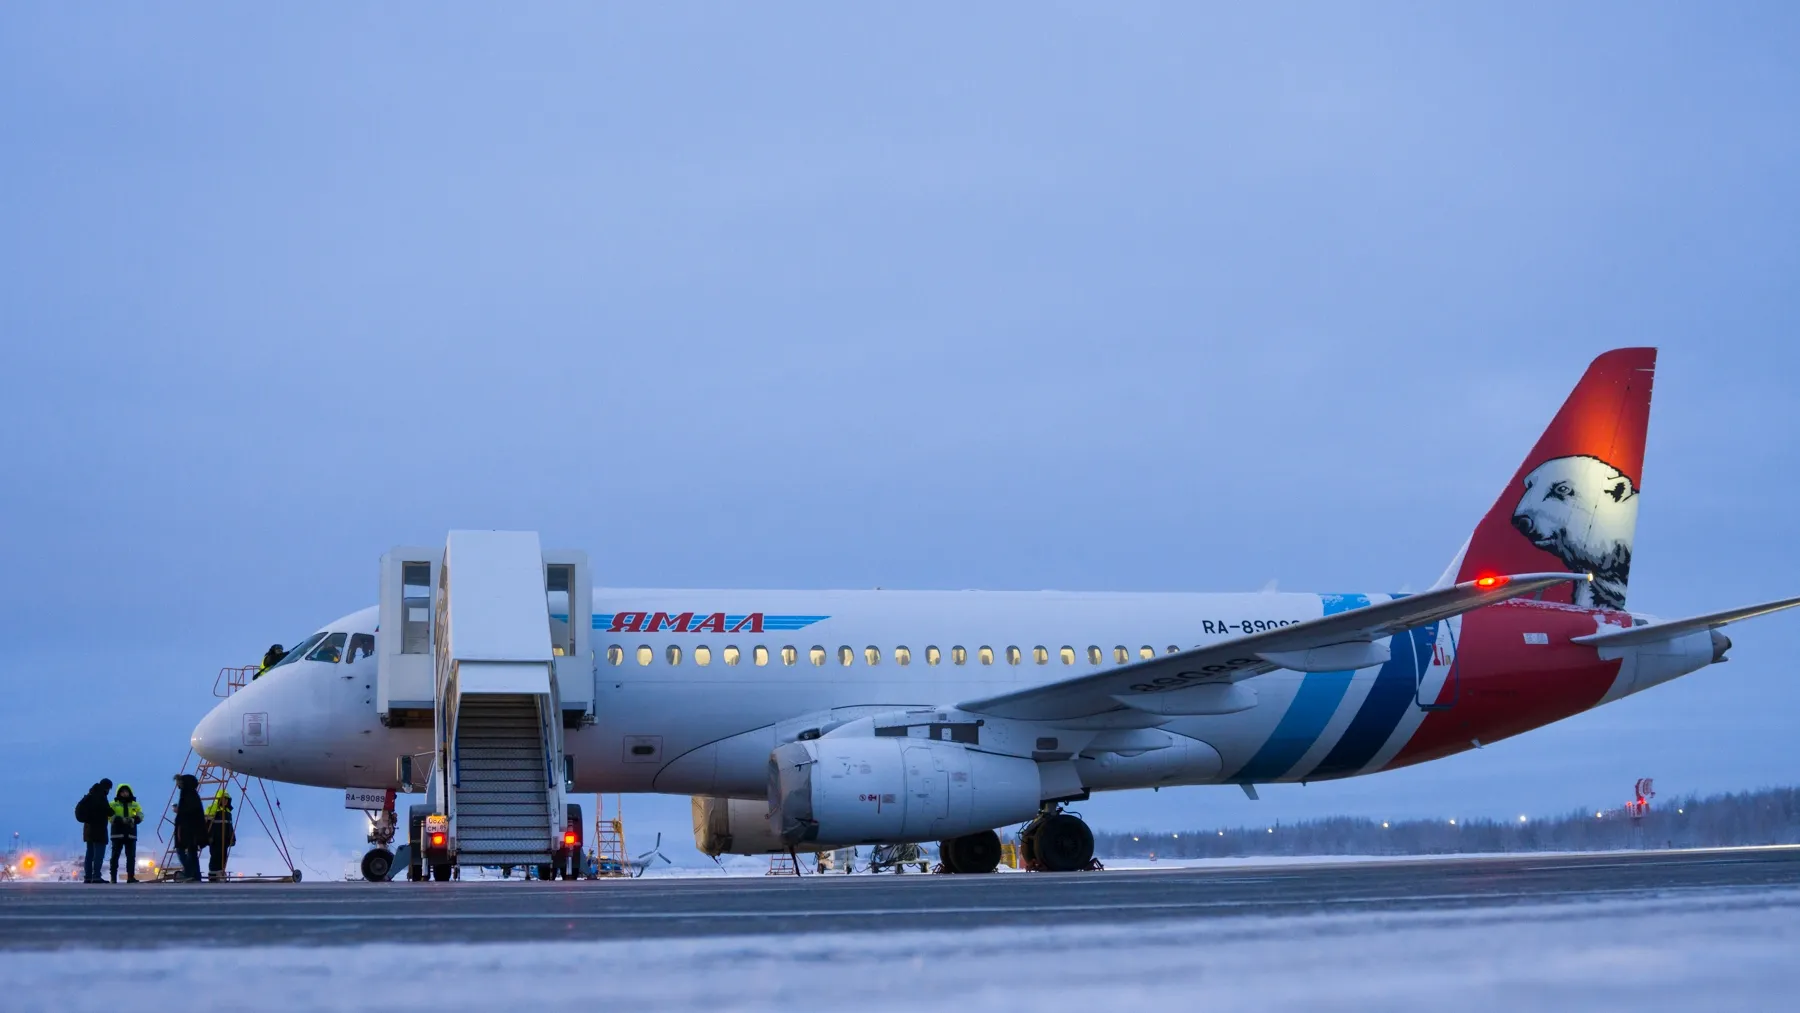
point(814, 720)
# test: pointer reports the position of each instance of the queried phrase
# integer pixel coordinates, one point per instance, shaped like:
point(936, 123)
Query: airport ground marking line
point(1646, 892)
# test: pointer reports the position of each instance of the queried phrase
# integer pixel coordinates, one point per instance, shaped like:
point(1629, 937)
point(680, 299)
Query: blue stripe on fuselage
point(1314, 704)
point(1384, 707)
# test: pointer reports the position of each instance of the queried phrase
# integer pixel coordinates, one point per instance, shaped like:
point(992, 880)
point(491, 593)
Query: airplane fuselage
point(693, 688)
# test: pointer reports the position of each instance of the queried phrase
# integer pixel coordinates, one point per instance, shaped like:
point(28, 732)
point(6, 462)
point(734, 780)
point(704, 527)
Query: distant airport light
point(1682, 812)
point(1384, 825)
point(1177, 835)
point(28, 863)
point(1271, 830)
point(1221, 833)
point(1521, 819)
point(1453, 823)
point(1596, 815)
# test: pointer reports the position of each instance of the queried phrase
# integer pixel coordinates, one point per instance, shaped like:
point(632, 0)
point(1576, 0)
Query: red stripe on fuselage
point(1505, 685)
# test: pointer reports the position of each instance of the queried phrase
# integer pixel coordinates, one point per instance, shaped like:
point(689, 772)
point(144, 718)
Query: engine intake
point(834, 792)
point(734, 826)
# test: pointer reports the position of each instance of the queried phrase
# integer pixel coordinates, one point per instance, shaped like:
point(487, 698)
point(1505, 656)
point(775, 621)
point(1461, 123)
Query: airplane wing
point(1653, 632)
point(1339, 641)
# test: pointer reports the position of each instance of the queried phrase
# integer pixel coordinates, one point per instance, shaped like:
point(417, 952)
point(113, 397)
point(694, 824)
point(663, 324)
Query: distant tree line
point(1769, 816)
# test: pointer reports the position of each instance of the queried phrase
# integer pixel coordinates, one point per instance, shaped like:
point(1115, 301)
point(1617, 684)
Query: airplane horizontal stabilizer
point(1655, 632)
point(1135, 685)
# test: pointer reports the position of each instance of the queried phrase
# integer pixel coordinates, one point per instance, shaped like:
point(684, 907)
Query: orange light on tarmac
point(28, 864)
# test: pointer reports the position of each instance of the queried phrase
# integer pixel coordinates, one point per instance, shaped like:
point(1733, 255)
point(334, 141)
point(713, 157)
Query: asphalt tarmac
point(73, 915)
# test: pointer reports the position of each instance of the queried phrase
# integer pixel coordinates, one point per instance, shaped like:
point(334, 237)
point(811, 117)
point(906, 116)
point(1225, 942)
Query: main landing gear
point(1056, 841)
point(971, 852)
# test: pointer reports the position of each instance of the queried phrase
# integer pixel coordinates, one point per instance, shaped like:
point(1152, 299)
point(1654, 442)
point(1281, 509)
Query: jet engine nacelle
point(735, 826)
point(835, 792)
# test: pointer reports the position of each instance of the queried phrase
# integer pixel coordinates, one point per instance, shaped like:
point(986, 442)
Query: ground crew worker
point(271, 657)
point(95, 813)
point(126, 815)
point(220, 835)
point(190, 826)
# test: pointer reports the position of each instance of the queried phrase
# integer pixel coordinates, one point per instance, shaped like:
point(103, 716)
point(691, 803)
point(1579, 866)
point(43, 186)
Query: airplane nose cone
point(211, 738)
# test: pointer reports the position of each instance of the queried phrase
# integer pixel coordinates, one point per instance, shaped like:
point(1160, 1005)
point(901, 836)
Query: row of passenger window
point(846, 656)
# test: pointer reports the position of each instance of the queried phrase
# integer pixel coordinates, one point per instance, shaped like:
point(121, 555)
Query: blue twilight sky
point(1122, 296)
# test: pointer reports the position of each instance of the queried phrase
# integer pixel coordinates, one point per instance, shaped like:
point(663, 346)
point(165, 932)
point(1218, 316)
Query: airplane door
point(1437, 676)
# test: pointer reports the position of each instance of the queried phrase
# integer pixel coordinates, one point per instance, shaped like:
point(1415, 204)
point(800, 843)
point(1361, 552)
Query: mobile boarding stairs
point(492, 650)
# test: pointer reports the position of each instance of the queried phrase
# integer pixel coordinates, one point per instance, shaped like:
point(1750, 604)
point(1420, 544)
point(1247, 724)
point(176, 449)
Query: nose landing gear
point(1056, 841)
point(378, 862)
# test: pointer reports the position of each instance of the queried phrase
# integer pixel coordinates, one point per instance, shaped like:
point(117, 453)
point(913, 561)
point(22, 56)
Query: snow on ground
point(1713, 950)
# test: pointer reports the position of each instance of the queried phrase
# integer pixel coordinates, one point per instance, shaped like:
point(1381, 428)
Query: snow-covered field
point(1707, 950)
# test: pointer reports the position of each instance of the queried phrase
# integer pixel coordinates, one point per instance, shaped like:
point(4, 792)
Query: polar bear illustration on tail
point(1583, 511)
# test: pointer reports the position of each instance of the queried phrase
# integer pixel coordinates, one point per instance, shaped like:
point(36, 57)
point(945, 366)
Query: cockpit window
point(330, 650)
point(299, 650)
point(362, 645)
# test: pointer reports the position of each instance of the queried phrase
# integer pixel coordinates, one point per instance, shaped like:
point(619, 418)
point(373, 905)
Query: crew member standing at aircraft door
point(190, 826)
point(220, 835)
point(126, 815)
point(95, 813)
point(270, 657)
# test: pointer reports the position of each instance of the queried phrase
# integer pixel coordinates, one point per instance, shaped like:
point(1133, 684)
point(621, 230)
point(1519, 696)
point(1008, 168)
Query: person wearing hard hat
point(220, 835)
point(126, 815)
point(271, 658)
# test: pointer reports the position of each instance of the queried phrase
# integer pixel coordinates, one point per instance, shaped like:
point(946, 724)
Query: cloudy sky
point(1127, 296)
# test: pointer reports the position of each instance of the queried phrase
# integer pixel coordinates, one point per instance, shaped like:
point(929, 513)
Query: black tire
point(1028, 853)
point(441, 873)
point(973, 853)
point(547, 873)
point(1064, 843)
point(295, 873)
point(947, 855)
point(376, 865)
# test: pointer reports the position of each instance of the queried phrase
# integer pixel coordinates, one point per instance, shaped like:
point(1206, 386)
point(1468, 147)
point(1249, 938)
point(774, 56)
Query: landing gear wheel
point(441, 873)
point(1063, 843)
point(376, 865)
point(947, 856)
point(972, 853)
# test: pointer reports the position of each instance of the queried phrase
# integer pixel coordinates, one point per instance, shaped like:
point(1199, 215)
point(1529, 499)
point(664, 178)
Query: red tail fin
point(1573, 503)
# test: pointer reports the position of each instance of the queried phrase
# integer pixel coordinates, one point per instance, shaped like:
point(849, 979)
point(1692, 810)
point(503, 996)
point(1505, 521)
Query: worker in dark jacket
point(271, 658)
point(190, 826)
point(220, 835)
point(126, 815)
point(94, 812)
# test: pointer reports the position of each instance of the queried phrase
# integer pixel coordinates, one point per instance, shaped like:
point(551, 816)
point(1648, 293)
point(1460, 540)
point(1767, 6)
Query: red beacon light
point(1490, 581)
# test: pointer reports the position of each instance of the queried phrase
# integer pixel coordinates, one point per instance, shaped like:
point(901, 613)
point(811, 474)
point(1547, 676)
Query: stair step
point(488, 821)
point(504, 858)
point(491, 797)
point(535, 810)
point(468, 763)
point(531, 752)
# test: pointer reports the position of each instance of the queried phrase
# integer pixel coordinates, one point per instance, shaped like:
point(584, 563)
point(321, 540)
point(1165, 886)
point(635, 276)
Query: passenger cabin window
point(958, 655)
point(846, 656)
point(1040, 654)
point(1121, 655)
point(817, 654)
point(1093, 655)
point(902, 656)
point(932, 656)
point(1146, 652)
point(986, 654)
point(299, 650)
point(615, 655)
point(1012, 655)
point(760, 655)
point(872, 655)
point(730, 654)
point(672, 654)
point(1174, 650)
point(789, 655)
point(330, 650)
point(702, 655)
point(1067, 654)
point(645, 654)
point(362, 645)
